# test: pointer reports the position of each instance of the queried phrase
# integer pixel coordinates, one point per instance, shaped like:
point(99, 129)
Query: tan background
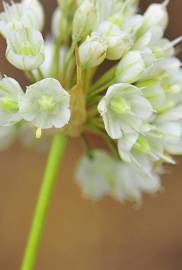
point(81, 235)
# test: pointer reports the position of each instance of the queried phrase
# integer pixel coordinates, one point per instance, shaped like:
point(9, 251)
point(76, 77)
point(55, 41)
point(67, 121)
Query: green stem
point(41, 75)
point(100, 89)
point(70, 54)
point(108, 76)
point(55, 156)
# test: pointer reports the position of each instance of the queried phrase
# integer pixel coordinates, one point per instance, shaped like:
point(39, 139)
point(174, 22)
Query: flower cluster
point(107, 70)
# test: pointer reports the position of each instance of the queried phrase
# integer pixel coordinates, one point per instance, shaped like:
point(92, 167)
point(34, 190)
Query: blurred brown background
point(81, 235)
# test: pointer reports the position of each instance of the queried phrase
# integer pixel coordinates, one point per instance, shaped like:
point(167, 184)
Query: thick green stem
point(53, 164)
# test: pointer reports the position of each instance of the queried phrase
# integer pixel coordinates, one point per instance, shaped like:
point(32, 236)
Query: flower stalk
point(53, 164)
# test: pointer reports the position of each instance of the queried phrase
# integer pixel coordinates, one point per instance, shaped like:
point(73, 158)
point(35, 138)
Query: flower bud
point(84, 20)
point(11, 95)
point(16, 16)
point(92, 52)
point(38, 11)
point(130, 68)
point(117, 46)
point(156, 15)
point(25, 48)
point(118, 42)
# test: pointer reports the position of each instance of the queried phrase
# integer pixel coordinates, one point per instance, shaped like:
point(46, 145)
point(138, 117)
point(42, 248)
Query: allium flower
point(94, 174)
point(46, 104)
point(151, 144)
point(134, 65)
point(118, 42)
point(124, 109)
point(11, 95)
point(105, 69)
point(25, 48)
point(170, 123)
point(130, 183)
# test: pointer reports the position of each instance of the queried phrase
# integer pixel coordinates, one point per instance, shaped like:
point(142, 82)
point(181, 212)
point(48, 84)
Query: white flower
point(173, 136)
point(11, 95)
point(134, 65)
point(94, 174)
point(25, 48)
point(93, 51)
point(46, 104)
point(130, 183)
point(132, 24)
point(118, 42)
point(147, 38)
point(124, 109)
point(170, 122)
point(135, 148)
point(7, 136)
point(38, 12)
point(84, 20)
point(154, 91)
point(17, 15)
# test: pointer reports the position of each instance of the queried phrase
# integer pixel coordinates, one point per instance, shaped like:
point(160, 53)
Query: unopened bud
point(92, 52)
point(84, 20)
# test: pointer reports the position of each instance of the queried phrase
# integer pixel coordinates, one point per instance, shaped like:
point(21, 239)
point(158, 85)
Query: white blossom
point(118, 42)
point(46, 104)
point(170, 122)
point(130, 183)
point(124, 109)
point(25, 48)
point(134, 66)
point(94, 174)
point(150, 144)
